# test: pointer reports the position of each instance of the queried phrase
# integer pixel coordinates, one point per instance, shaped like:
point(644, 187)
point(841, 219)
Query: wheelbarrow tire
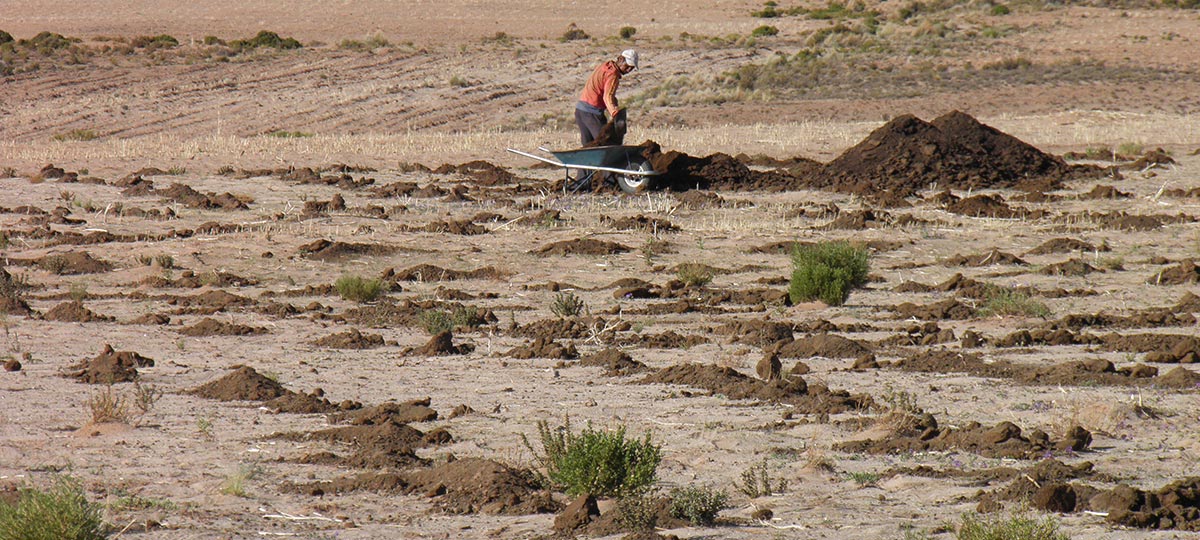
point(636, 183)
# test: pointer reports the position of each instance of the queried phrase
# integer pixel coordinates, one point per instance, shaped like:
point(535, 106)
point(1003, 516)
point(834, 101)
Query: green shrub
point(698, 505)
point(602, 463)
point(265, 38)
point(765, 31)
point(435, 321)
point(756, 482)
point(61, 512)
point(627, 32)
point(1000, 9)
point(76, 135)
point(45, 42)
point(567, 305)
point(161, 41)
point(284, 134)
point(5, 37)
point(1004, 301)
point(694, 274)
point(976, 527)
point(358, 289)
point(827, 271)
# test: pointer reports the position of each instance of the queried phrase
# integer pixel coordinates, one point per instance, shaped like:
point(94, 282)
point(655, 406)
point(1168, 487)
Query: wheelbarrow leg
point(582, 181)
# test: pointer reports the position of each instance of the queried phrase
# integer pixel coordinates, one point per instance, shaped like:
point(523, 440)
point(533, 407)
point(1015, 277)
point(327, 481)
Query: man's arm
point(610, 94)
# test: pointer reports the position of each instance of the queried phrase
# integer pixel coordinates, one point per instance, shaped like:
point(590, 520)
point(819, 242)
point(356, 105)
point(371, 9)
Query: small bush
point(976, 527)
point(1000, 9)
point(435, 321)
point(864, 479)
point(61, 512)
point(107, 405)
point(5, 37)
point(756, 482)
point(284, 134)
point(602, 463)
point(567, 305)
point(573, 33)
point(638, 512)
point(698, 505)
point(765, 31)
point(694, 274)
point(358, 289)
point(827, 271)
point(265, 38)
point(235, 484)
point(76, 135)
point(1002, 301)
point(145, 396)
point(627, 32)
point(162, 41)
point(1131, 149)
point(459, 82)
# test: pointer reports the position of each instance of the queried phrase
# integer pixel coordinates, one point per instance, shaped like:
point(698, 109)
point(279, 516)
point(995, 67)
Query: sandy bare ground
point(394, 106)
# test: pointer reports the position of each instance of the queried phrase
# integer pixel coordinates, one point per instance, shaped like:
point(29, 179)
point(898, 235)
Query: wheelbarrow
point(633, 172)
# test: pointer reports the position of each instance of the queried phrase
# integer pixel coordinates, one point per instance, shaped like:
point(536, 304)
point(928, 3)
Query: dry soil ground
point(236, 271)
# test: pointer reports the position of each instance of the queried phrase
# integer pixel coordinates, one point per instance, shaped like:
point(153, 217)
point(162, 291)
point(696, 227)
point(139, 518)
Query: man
point(599, 96)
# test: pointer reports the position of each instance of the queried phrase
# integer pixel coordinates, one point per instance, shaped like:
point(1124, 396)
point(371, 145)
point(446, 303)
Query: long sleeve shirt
point(600, 91)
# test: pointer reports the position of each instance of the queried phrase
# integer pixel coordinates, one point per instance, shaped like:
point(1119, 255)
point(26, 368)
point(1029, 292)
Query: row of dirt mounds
point(921, 433)
point(807, 398)
point(1073, 373)
point(330, 251)
point(1175, 506)
point(430, 273)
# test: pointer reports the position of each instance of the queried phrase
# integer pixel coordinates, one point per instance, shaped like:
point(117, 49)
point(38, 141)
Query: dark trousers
point(589, 126)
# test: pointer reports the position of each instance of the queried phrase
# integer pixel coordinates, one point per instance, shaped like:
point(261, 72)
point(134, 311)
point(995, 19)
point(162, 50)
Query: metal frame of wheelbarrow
point(634, 172)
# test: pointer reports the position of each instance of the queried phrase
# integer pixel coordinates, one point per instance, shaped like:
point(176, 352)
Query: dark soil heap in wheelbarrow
point(954, 151)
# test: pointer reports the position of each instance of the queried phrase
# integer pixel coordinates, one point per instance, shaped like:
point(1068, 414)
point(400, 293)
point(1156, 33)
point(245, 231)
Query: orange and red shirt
point(600, 91)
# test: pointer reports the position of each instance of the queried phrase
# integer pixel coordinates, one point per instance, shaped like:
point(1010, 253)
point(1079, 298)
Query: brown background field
point(382, 87)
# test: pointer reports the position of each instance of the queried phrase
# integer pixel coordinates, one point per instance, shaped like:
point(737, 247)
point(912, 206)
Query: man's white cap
point(630, 57)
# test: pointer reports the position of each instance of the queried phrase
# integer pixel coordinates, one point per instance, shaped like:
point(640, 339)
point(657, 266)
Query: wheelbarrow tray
point(616, 158)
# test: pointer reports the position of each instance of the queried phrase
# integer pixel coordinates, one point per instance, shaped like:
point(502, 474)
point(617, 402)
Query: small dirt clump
point(241, 384)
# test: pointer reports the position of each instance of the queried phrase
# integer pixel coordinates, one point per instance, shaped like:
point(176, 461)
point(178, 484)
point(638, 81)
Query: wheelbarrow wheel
point(636, 183)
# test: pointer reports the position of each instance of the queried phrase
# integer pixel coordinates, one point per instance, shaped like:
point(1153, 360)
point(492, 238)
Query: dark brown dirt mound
point(639, 223)
point(325, 250)
point(350, 339)
point(400, 413)
point(1104, 192)
point(760, 333)
point(581, 246)
point(241, 384)
point(213, 327)
point(482, 172)
point(948, 309)
point(459, 227)
point(991, 206)
point(665, 340)
point(1180, 377)
point(109, 367)
point(73, 263)
point(185, 195)
point(1181, 274)
point(543, 347)
point(681, 172)
point(73, 311)
point(1004, 440)
point(824, 345)
point(430, 273)
point(860, 220)
point(211, 301)
point(1071, 267)
point(441, 344)
point(697, 199)
point(1064, 245)
point(298, 403)
point(473, 485)
point(1040, 485)
point(808, 399)
point(955, 151)
point(994, 256)
point(615, 362)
